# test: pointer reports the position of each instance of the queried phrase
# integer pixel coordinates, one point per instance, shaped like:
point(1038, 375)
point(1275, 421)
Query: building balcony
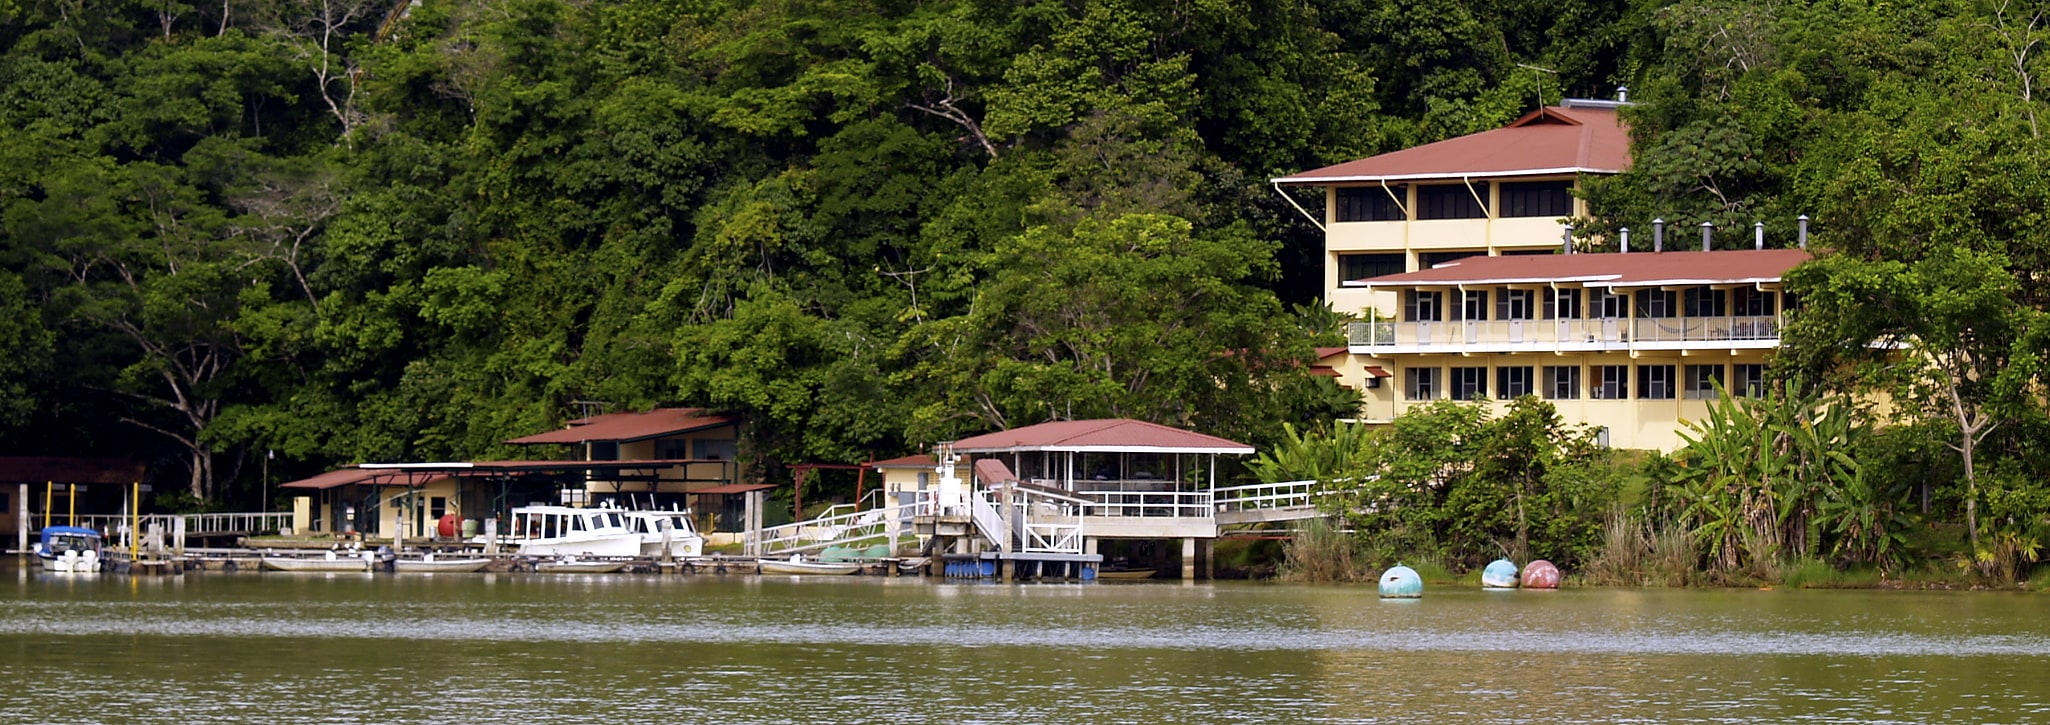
point(1590, 335)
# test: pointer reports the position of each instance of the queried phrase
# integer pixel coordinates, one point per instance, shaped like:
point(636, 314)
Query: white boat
point(352, 561)
point(69, 550)
point(682, 535)
point(797, 564)
point(573, 565)
point(567, 531)
point(427, 563)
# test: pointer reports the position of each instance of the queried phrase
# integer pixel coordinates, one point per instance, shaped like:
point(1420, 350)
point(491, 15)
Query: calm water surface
point(540, 648)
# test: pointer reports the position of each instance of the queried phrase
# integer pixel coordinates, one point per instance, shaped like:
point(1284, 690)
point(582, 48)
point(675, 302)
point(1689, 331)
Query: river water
point(547, 648)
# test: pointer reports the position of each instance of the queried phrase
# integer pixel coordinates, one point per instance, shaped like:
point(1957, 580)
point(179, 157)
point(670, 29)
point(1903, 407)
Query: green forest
point(264, 237)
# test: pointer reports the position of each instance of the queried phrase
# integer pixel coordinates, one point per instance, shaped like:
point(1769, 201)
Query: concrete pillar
point(1188, 559)
point(1208, 551)
point(21, 521)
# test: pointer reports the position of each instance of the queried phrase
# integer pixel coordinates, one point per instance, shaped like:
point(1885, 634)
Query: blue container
point(1500, 574)
point(1401, 582)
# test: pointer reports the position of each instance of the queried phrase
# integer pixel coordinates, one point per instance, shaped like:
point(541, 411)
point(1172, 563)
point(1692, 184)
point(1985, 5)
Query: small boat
point(427, 563)
point(675, 526)
point(70, 550)
point(913, 566)
point(573, 565)
point(797, 564)
point(1125, 573)
point(566, 531)
point(330, 562)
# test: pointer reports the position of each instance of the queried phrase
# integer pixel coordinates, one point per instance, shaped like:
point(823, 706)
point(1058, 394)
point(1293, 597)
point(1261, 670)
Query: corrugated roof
point(625, 427)
point(346, 476)
point(732, 488)
point(1614, 269)
point(414, 474)
point(1112, 434)
point(1551, 140)
point(50, 469)
point(991, 471)
point(920, 460)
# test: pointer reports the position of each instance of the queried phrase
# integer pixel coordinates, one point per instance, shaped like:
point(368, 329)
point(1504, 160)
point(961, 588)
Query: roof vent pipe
point(1804, 230)
point(1658, 235)
point(1625, 248)
point(1707, 235)
point(1567, 237)
point(1758, 235)
point(1622, 94)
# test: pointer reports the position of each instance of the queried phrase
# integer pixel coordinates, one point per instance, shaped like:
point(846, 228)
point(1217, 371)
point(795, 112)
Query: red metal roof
point(414, 474)
point(47, 469)
point(1614, 269)
point(920, 460)
point(631, 426)
point(992, 471)
point(1551, 140)
point(1113, 434)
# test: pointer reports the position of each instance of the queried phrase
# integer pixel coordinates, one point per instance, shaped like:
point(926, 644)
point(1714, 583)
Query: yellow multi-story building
point(1453, 254)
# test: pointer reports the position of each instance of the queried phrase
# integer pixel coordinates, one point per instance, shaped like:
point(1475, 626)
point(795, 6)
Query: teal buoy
point(1500, 574)
point(1401, 582)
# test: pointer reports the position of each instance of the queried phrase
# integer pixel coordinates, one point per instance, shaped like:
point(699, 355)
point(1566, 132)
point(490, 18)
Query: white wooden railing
point(838, 524)
point(1259, 496)
point(1552, 334)
point(1196, 504)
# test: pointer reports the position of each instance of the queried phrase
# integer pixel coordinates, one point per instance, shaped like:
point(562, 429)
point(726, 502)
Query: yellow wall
point(414, 509)
point(1495, 236)
point(1632, 423)
point(699, 475)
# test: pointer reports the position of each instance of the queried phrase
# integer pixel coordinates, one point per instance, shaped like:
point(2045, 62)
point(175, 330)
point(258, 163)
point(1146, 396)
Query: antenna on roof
point(1540, 82)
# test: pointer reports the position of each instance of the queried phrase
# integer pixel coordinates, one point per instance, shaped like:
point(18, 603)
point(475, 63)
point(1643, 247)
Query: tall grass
point(1319, 553)
point(1636, 553)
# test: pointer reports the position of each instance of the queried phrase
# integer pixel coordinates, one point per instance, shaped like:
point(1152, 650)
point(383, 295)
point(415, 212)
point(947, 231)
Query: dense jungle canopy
point(344, 230)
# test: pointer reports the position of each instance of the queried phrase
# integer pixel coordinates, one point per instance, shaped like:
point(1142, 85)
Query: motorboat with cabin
point(570, 531)
point(70, 549)
point(673, 527)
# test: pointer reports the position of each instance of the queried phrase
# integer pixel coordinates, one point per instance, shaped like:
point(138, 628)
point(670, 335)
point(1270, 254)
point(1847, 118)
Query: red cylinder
point(448, 526)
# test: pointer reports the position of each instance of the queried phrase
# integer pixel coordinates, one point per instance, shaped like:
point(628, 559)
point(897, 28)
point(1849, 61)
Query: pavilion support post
point(178, 535)
point(751, 522)
point(21, 520)
point(1188, 559)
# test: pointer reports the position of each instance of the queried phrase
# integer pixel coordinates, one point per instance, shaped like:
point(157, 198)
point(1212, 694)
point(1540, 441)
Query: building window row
point(1567, 304)
point(1454, 201)
point(1606, 382)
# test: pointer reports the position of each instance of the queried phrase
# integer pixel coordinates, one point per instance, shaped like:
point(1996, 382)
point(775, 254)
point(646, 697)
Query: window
point(1513, 382)
point(716, 449)
point(1369, 204)
point(1655, 382)
point(1537, 198)
point(1751, 302)
point(1427, 260)
point(1612, 382)
point(1562, 304)
point(1705, 302)
point(1451, 201)
point(1657, 303)
point(1420, 306)
point(1355, 267)
point(604, 450)
point(1609, 305)
point(1701, 381)
point(1420, 383)
point(1469, 383)
point(1473, 305)
point(1748, 379)
point(1562, 382)
point(1515, 304)
point(670, 449)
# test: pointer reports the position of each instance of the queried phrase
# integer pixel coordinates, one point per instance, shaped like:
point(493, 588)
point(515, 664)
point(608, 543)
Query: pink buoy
point(1540, 574)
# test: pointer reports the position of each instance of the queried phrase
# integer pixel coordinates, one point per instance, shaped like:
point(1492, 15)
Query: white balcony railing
point(1596, 333)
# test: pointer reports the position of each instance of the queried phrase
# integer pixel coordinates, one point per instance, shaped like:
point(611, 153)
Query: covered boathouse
point(1053, 492)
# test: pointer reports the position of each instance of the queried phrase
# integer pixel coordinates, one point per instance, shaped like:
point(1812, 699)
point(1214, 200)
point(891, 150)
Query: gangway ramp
point(1267, 502)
